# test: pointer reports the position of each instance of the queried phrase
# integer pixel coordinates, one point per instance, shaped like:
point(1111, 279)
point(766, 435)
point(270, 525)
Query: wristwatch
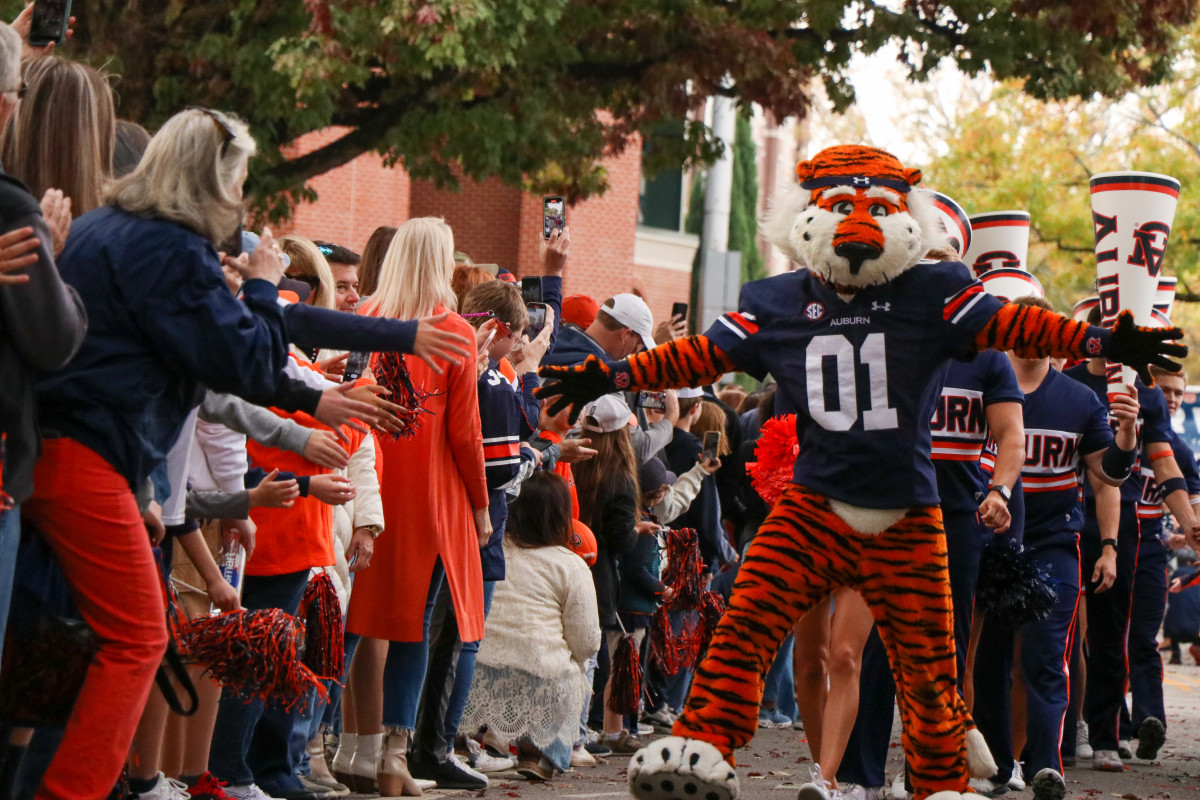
point(1108, 543)
point(374, 530)
point(1003, 491)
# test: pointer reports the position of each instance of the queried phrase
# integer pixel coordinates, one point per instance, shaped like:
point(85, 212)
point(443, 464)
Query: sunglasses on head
point(227, 131)
point(313, 281)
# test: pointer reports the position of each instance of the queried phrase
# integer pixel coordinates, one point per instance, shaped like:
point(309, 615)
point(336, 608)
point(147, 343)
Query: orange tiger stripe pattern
point(1033, 332)
point(852, 159)
point(690, 361)
point(803, 552)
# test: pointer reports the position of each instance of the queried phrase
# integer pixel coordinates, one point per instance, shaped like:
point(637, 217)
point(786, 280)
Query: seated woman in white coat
point(543, 627)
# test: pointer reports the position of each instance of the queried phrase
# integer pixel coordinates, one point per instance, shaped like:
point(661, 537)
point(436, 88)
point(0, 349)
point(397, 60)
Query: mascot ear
point(912, 175)
point(806, 170)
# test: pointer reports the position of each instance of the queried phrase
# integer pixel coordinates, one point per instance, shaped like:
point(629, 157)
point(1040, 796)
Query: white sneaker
point(1083, 748)
point(1017, 781)
point(1125, 750)
point(645, 730)
point(483, 761)
point(817, 787)
point(897, 790)
point(166, 789)
point(854, 791)
point(988, 787)
point(1107, 761)
point(462, 762)
point(1049, 785)
point(580, 757)
point(247, 792)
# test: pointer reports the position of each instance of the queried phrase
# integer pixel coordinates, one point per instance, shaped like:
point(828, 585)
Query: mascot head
point(853, 219)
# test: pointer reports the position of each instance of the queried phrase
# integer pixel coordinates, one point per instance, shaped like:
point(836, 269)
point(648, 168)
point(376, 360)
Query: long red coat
point(432, 482)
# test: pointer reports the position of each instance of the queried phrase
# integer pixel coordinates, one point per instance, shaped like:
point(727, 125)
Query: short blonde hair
point(191, 174)
point(415, 277)
point(307, 259)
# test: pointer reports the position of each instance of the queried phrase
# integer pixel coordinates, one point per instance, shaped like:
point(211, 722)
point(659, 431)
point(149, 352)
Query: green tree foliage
point(743, 213)
point(536, 91)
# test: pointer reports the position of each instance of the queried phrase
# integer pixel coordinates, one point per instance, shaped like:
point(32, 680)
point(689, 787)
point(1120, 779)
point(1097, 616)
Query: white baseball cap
point(607, 414)
point(632, 312)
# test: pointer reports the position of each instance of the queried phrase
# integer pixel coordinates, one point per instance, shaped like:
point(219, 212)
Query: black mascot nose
point(856, 253)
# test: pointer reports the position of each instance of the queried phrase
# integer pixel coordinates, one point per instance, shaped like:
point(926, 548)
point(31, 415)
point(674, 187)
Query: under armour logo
point(861, 181)
point(878, 306)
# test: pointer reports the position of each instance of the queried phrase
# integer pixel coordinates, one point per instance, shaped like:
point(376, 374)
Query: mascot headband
point(856, 181)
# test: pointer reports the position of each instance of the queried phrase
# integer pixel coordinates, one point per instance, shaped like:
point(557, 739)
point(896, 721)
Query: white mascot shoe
point(675, 768)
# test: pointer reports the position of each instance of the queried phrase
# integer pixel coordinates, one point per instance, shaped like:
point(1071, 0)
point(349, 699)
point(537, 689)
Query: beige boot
point(319, 770)
point(392, 774)
point(364, 763)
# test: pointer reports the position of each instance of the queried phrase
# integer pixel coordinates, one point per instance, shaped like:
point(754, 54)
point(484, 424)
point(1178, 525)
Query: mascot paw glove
point(1140, 347)
point(580, 384)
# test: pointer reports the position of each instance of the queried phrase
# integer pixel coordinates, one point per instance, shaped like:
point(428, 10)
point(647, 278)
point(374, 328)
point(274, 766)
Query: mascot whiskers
point(857, 341)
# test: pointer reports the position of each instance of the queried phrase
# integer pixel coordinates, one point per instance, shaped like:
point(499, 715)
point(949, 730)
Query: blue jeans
point(250, 740)
point(779, 686)
point(404, 670)
point(466, 670)
point(10, 536)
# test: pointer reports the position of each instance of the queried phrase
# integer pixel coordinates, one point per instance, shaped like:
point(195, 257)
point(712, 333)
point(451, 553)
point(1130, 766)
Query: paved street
point(777, 761)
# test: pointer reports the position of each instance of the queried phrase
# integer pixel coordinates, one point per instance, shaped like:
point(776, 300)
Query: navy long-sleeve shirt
point(162, 324)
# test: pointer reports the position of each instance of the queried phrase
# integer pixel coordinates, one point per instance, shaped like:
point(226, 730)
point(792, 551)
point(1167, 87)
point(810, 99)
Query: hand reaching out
point(272, 493)
point(322, 449)
point(334, 490)
point(434, 344)
point(554, 255)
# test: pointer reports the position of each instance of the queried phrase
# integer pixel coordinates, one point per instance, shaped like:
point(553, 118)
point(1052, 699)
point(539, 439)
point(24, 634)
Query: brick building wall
point(353, 200)
point(494, 223)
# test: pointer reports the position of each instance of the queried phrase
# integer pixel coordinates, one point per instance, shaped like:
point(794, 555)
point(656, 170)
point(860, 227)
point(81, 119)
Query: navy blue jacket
point(571, 347)
point(502, 416)
point(162, 324)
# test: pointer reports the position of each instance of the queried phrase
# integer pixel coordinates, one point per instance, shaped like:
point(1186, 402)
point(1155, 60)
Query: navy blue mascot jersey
point(867, 372)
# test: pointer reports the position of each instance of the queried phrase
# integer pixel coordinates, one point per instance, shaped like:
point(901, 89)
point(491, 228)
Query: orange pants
point(802, 553)
point(88, 516)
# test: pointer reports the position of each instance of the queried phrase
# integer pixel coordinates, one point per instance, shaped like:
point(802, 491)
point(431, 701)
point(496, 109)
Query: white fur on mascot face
point(853, 220)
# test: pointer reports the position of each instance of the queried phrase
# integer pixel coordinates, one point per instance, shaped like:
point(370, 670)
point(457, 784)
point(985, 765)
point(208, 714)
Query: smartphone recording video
point(712, 445)
point(537, 320)
point(554, 215)
point(49, 23)
point(654, 400)
point(679, 310)
point(531, 290)
point(357, 363)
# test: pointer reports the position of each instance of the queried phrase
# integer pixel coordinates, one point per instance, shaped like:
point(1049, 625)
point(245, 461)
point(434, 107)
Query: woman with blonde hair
point(436, 506)
point(162, 325)
point(309, 265)
point(63, 133)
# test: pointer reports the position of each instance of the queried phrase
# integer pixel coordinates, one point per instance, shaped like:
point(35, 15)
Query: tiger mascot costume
point(857, 341)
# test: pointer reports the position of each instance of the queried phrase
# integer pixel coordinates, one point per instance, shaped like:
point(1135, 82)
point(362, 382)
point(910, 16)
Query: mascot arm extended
point(690, 361)
point(1033, 332)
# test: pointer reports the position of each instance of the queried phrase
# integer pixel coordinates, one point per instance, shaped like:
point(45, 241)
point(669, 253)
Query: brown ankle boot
point(392, 773)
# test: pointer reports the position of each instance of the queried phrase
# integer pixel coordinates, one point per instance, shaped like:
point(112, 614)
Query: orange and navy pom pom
point(324, 639)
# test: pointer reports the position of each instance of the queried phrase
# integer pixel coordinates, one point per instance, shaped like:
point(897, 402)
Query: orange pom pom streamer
point(776, 452)
point(324, 639)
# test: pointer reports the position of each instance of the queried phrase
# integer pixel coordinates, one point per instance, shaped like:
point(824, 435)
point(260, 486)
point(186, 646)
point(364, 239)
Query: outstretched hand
point(1141, 347)
point(577, 385)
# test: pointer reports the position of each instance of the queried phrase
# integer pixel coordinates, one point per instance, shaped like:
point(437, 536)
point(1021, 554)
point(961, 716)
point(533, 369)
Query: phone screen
point(554, 215)
point(356, 364)
point(537, 320)
point(49, 22)
point(656, 400)
point(712, 444)
point(679, 310)
point(531, 290)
